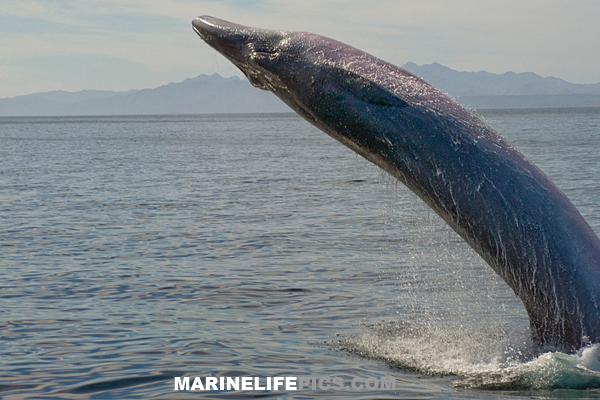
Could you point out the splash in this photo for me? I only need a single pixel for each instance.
(489, 358)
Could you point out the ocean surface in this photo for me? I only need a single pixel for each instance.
(139, 249)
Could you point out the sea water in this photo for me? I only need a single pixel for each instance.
(139, 249)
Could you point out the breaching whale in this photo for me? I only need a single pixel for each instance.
(502, 205)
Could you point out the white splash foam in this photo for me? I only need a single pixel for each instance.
(589, 358)
(489, 358)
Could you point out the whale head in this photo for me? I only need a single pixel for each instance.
(293, 65)
(318, 77)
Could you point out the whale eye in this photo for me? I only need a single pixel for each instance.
(265, 53)
(262, 47)
(263, 56)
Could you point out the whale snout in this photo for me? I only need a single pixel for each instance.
(202, 24)
(207, 27)
(225, 37)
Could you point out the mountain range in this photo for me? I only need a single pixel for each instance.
(205, 94)
(485, 90)
(215, 94)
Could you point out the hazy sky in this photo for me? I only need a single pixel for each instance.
(134, 44)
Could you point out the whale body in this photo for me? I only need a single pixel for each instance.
(501, 204)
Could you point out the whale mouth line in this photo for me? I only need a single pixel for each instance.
(198, 32)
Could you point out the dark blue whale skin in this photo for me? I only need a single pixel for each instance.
(501, 204)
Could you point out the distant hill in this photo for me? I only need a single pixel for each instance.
(459, 83)
(214, 94)
(509, 90)
(204, 94)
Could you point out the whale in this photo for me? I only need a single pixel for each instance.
(489, 193)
